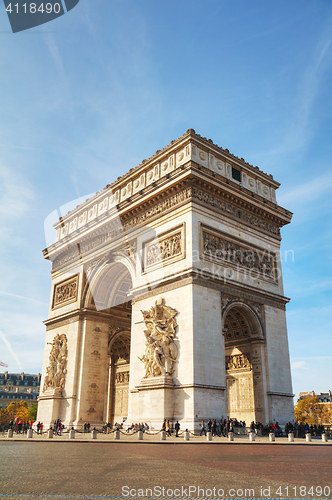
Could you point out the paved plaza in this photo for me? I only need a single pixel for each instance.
(105, 468)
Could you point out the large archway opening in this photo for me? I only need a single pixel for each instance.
(243, 362)
(110, 297)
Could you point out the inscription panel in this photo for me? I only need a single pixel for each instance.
(93, 375)
(121, 393)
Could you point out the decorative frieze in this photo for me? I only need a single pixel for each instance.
(195, 148)
(197, 194)
(190, 193)
(159, 208)
(164, 249)
(65, 292)
(219, 248)
(122, 378)
(234, 211)
(238, 362)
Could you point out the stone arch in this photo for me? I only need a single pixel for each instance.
(107, 296)
(250, 315)
(108, 284)
(244, 362)
(119, 371)
(119, 344)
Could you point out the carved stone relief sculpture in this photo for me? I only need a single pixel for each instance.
(122, 378)
(56, 370)
(160, 349)
(238, 362)
(169, 247)
(65, 292)
(166, 249)
(218, 248)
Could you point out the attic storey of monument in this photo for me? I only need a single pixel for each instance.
(167, 294)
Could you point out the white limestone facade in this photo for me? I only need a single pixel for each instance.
(191, 237)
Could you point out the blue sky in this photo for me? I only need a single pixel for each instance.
(89, 95)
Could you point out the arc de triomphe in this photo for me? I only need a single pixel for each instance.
(167, 296)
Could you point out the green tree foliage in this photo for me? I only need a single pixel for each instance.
(32, 412)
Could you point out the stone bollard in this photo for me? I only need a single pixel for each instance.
(308, 437)
(209, 436)
(272, 437)
(163, 436)
(140, 435)
(251, 436)
(50, 433)
(291, 437)
(72, 434)
(30, 433)
(117, 435)
(324, 438)
(94, 434)
(186, 436)
(10, 433)
(231, 436)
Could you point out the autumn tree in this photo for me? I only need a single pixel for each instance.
(4, 417)
(310, 410)
(21, 410)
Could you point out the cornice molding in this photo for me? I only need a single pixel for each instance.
(216, 199)
(190, 155)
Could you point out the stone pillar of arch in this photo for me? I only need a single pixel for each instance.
(89, 332)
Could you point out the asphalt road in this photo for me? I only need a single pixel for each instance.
(31, 469)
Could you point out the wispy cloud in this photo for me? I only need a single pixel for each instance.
(54, 51)
(15, 194)
(299, 365)
(307, 191)
(309, 288)
(314, 357)
(20, 147)
(10, 349)
(21, 297)
(297, 124)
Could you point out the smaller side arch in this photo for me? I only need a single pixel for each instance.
(119, 374)
(250, 314)
(245, 362)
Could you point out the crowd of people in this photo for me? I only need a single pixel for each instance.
(20, 426)
(232, 425)
(222, 428)
(57, 427)
(132, 428)
(300, 430)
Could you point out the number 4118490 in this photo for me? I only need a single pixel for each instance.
(304, 491)
(32, 8)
